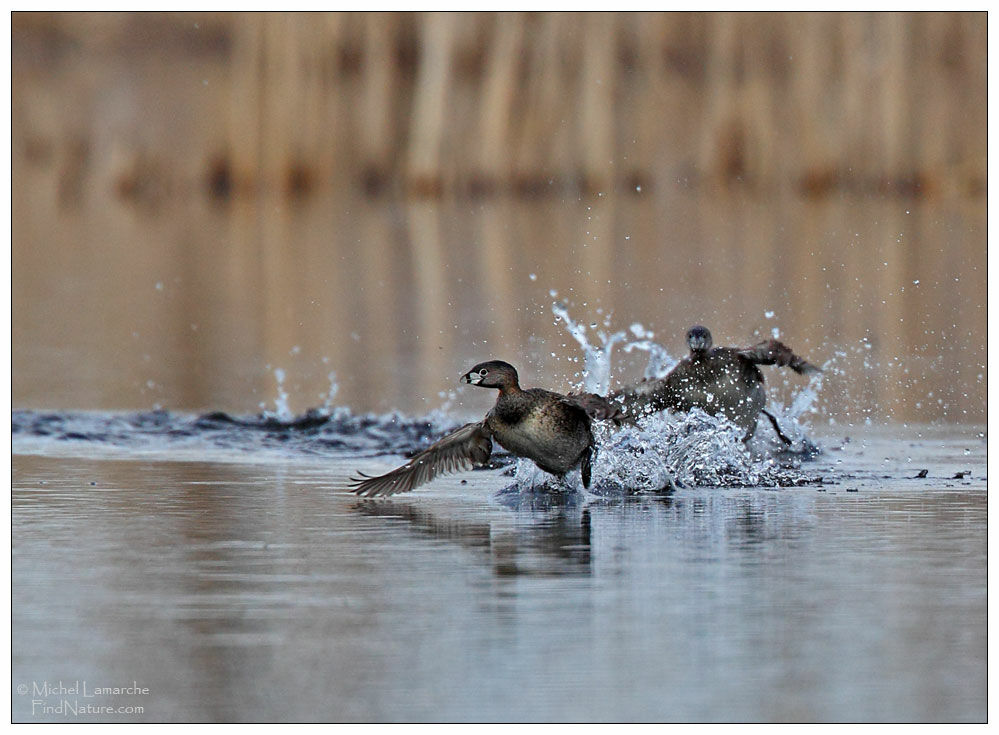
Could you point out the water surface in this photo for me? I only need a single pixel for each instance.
(251, 587)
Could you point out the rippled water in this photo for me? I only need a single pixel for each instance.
(251, 586)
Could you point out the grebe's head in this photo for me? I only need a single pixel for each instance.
(699, 339)
(492, 374)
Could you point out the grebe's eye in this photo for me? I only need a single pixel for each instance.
(483, 372)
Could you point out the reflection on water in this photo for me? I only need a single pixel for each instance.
(398, 299)
(238, 592)
(554, 541)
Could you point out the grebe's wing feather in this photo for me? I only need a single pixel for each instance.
(596, 407)
(460, 450)
(777, 353)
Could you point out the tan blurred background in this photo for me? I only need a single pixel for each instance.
(199, 199)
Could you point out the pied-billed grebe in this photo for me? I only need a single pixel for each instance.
(722, 381)
(548, 428)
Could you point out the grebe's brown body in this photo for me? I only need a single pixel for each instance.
(548, 428)
(721, 381)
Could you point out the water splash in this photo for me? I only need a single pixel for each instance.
(596, 358)
(660, 361)
(220, 434)
(805, 400)
(282, 411)
(529, 478)
(327, 408)
(664, 451)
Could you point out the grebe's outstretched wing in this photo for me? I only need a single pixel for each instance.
(596, 407)
(777, 353)
(460, 450)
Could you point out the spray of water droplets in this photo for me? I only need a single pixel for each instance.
(663, 452)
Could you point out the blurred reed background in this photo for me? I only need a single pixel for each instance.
(201, 199)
